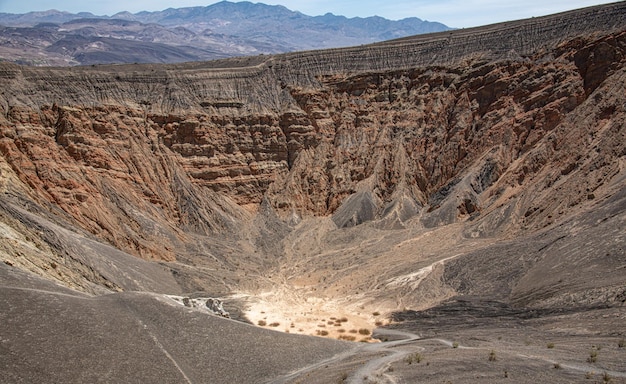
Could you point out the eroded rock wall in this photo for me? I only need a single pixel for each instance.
(456, 126)
(108, 171)
(459, 139)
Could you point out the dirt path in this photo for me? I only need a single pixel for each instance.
(77, 295)
(376, 366)
(391, 351)
(379, 356)
(303, 371)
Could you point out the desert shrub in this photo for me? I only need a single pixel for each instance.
(353, 331)
(550, 345)
(322, 332)
(492, 356)
(378, 323)
(347, 337)
(262, 323)
(343, 320)
(557, 366)
(414, 358)
(376, 313)
(455, 345)
(606, 378)
(622, 343)
(341, 330)
(274, 324)
(364, 331)
(593, 356)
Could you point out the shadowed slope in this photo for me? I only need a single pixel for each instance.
(135, 337)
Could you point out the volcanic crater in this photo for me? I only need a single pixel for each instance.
(456, 200)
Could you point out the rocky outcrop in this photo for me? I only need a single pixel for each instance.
(212, 305)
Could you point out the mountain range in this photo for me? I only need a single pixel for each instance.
(224, 29)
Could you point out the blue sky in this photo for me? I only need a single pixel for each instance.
(454, 13)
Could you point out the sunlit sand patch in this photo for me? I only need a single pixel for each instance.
(284, 310)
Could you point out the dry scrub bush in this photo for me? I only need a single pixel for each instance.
(593, 356)
(414, 358)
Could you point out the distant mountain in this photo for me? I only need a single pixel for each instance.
(33, 18)
(272, 22)
(224, 29)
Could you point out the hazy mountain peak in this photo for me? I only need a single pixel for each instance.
(198, 33)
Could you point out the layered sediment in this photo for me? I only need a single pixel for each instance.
(507, 126)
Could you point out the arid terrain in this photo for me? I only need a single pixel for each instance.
(441, 208)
